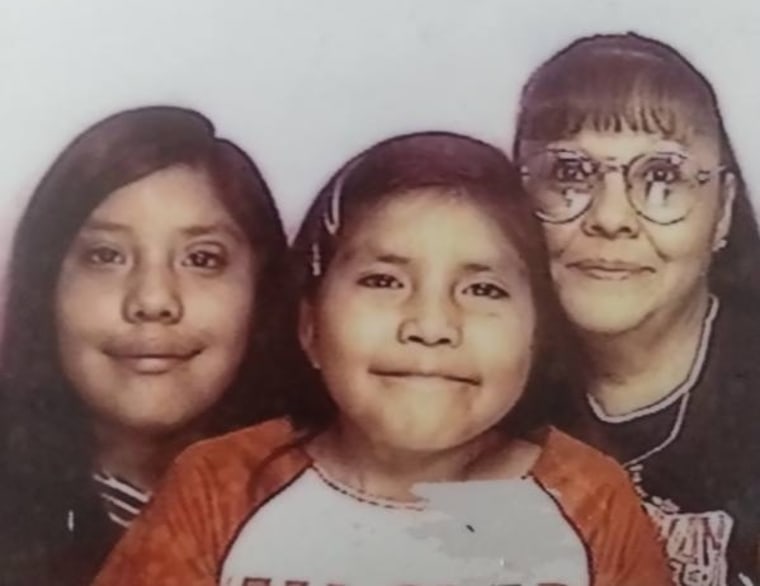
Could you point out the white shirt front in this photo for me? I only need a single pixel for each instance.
(479, 533)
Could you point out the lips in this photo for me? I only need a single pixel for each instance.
(609, 270)
(151, 356)
(412, 375)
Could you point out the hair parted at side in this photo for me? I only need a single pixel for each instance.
(49, 445)
(472, 171)
(612, 82)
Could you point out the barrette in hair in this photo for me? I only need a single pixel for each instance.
(331, 218)
(316, 260)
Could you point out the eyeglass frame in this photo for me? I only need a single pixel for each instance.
(603, 167)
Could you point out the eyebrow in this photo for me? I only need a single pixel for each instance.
(95, 225)
(471, 267)
(214, 228)
(477, 267)
(193, 231)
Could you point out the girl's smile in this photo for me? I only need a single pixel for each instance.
(424, 341)
(154, 302)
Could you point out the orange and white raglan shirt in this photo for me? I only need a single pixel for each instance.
(228, 514)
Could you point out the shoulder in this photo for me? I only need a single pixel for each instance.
(736, 341)
(211, 488)
(229, 462)
(565, 460)
(248, 444)
(727, 396)
(599, 500)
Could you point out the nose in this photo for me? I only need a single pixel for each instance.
(611, 214)
(432, 320)
(152, 296)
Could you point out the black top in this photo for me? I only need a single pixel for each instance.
(695, 455)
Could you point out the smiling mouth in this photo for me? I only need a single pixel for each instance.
(152, 363)
(609, 270)
(423, 376)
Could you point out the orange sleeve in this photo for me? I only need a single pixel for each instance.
(182, 536)
(599, 499)
(626, 551)
(169, 544)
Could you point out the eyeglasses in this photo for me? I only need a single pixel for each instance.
(661, 186)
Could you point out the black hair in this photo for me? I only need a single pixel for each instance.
(473, 171)
(608, 82)
(48, 448)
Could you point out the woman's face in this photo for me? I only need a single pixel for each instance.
(616, 269)
(424, 340)
(154, 302)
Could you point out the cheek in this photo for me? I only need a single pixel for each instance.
(559, 237)
(222, 309)
(348, 328)
(505, 347)
(688, 241)
(86, 307)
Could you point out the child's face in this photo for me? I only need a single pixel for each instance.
(423, 327)
(153, 303)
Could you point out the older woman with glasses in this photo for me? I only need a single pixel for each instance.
(656, 256)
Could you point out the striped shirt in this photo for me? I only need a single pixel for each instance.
(123, 501)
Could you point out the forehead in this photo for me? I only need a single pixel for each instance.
(625, 144)
(431, 224)
(176, 195)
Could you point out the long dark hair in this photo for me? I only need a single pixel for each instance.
(476, 172)
(607, 82)
(48, 447)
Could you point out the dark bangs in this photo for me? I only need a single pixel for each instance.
(614, 82)
(626, 81)
(458, 168)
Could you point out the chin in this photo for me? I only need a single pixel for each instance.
(156, 421)
(424, 439)
(607, 317)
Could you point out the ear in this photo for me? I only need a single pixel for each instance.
(307, 331)
(723, 225)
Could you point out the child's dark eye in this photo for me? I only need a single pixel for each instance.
(103, 255)
(205, 259)
(488, 290)
(380, 281)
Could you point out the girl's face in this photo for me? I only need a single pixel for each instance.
(615, 268)
(424, 324)
(154, 302)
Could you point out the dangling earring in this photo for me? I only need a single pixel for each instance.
(720, 244)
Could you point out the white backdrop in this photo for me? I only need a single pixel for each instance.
(302, 84)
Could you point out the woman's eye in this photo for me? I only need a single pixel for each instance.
(380, 281)
(488, 290)
(103, 255)
(205, 259)
(667, 174)
(665, 168)
(571, 171)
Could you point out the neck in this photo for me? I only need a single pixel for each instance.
(638, 368)
(388, 472)
(139, 458)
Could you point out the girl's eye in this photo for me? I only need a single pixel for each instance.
(488, 290)
(103, 255)
(205, 259)
(380, 281)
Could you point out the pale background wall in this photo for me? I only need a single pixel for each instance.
(302, 84)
